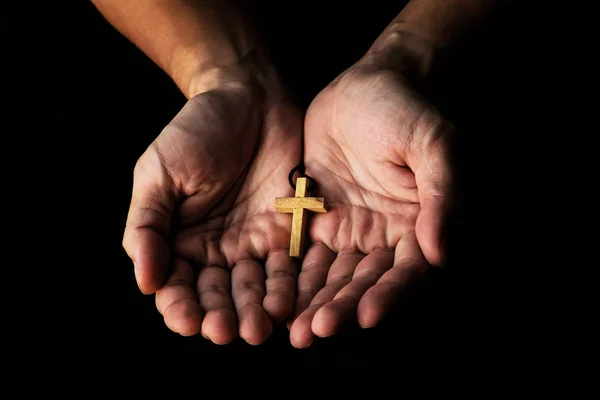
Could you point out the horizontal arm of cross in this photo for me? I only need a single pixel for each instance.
(288, 204)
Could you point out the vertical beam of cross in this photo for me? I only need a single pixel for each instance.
(298, 207)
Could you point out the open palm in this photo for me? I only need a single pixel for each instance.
(201, 229)
(379, 155)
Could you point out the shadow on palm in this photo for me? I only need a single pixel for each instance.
(202, 207)
(376, 150)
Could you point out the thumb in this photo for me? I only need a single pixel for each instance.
(434, 176)
(148, 225)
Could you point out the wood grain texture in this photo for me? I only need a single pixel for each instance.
(299, 207)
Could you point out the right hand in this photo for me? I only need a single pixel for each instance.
(201, 229)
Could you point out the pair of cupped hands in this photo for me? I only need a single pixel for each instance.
(204, 235)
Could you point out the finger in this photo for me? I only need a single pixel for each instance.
(433, 176)
(147, 227)
(248, 290)
(282, 273)
(177, 301)
(312, 277)
(409, 265)
(214, 292)
(343, 308)
(340, 273)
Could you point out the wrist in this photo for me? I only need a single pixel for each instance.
(402, 51)
(221, 45)
(424, 30)
(252, 68)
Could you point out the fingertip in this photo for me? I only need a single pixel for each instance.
(184, 318)
(256, 326)
(146, 284)
(279, 305)
(432, 254)
(325, 322)
(301, 334)
(375, 304)
(300, 337)
(220, 326)
(429, 230)
(150, 263)
(368, 314)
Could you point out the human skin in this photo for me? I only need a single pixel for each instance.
(201, 230)
(381, 154)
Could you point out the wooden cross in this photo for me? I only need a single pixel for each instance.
(297, 206)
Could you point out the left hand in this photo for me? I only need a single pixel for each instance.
(380, 156)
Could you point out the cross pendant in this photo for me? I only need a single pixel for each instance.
(298, 207)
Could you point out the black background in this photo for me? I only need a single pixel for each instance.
(106, 102)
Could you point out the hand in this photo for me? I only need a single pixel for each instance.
(379, 154)
(201, 229)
